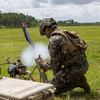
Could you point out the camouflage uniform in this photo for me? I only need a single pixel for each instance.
(68, 71)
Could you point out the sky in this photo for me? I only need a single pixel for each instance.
(78, 10)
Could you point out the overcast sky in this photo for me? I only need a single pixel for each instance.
(78, 10)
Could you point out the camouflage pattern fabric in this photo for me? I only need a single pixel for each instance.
(55, 42)
(68, 71)
(66, 78)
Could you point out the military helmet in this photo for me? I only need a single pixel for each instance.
(46, 23)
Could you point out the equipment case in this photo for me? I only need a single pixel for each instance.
(17, 89)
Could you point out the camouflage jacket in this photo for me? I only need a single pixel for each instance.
(55, 43)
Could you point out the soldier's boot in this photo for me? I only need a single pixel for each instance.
(83, 84)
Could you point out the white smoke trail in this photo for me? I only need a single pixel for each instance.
(29, 55)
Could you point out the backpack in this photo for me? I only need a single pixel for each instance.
(74, 42)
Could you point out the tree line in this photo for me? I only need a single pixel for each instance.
(14, 20)
(75, 23)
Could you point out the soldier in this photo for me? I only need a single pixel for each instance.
(69, 64)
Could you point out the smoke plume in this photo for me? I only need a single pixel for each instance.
(29, 54)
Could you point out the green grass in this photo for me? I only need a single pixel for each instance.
(12, 42)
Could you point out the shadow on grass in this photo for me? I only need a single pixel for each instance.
(84, 96)
(79, 95)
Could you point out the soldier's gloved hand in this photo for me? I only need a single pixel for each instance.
(40, 61)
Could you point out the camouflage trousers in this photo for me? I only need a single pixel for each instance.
(65, 79)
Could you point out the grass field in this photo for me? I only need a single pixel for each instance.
(13, 42)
